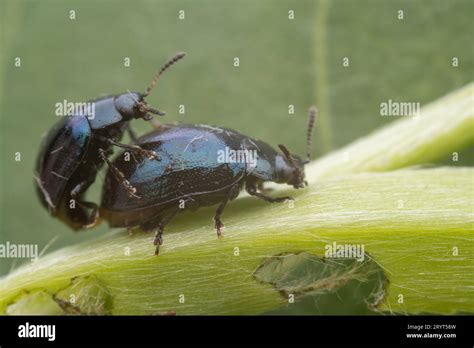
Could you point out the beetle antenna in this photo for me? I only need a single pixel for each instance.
(169, 63)
(287, 154)
(309, 133)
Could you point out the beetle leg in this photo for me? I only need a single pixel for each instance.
(119, 175)
(132, 134)
(94, 213)
(155, 123)
(217, 218)
(75, 194)
(148, 153)
(220, 209)
(251, 189)
(218, 225)
(158, 240)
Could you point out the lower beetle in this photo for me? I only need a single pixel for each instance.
(78, 145)
(200, 166)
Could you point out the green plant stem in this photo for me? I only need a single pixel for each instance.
(412, 242)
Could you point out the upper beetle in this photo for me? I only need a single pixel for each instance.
(199, 166)
(77, 146)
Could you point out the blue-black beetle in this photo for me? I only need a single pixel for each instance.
(193, 172)
(78, 145)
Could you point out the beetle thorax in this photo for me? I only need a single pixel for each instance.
(127, 104)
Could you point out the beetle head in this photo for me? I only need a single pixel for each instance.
(132, 105)
(290, 167)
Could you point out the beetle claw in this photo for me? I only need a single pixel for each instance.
(219, 226)
(152, 155)
(158, 241)
(158, 238)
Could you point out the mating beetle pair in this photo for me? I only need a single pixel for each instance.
(176, 168)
